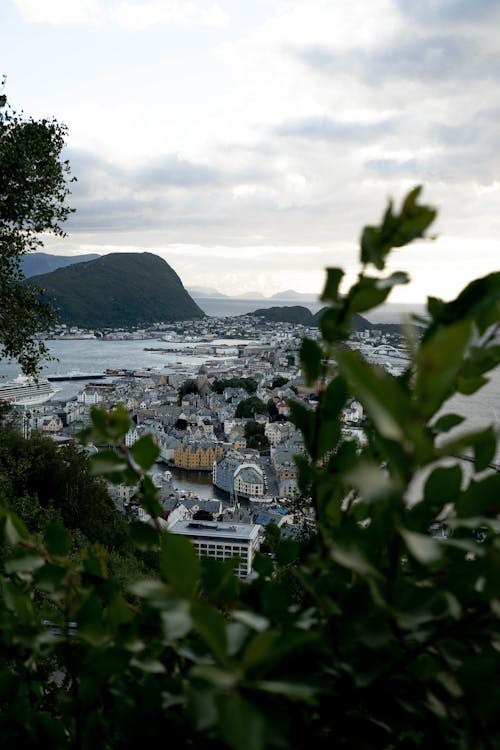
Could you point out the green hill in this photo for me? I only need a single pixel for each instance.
(303, 316)
(120, 289)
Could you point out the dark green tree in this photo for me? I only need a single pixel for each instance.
(255, 436)
(248, 384)
(279, 381)
(33, 191)
(249, 407)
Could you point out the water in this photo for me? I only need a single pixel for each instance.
(232, 306)
(197, 482)
(95, 355)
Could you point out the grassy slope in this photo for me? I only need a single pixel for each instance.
(120, 289)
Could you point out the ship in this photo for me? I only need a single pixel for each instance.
(26, 391)
(76, 375)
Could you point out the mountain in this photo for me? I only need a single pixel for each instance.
(119, 289)
(38, 263)
(290, 294)
(204, 291)
(294, 314)
(303, 316)
(250, 295)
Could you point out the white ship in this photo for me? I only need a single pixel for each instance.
(26, 391)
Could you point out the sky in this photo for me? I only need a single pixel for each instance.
(247, 142)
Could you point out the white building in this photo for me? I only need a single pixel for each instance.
(249, 480)
(222, 541)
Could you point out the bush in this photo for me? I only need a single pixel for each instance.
(377, 633)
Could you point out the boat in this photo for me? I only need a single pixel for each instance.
(26, 391)
(76, 375)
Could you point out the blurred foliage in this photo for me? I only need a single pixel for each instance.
(380, 631)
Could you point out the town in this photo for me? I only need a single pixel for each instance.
(227, 418)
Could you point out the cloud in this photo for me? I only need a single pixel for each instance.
(129, 15)
(431, 59)
(458, 11)
(170, 12)
(328, 129)
(62, 12)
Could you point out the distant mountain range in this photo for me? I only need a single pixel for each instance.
(289, 295)
(38, 263)
(115, 290)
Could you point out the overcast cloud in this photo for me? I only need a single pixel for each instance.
(247, 143)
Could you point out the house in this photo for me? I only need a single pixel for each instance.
(197, 455)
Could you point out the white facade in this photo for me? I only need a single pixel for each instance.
(222, 541)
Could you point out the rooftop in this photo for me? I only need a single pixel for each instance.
(213, 530)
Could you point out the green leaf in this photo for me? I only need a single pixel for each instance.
(480, 498)
(150, 666)
(145, 452)
(107, 462)
(396, 230)
(14, 530)
(287, 551)
(179, 563)
(447, 422)
(23, 561)
(18, 602)
(176, 620)
(303, 418)
(479, 301)
(485, 449)
(211, 626)
(243, 726)
(311, 357)
(381, 395)
(424, 548)
(468, 386)
(251, 619)
(443, 485)
(331, 290)
(335, 324)
(439, 360)
(371, 481)
(144, 535)
(334, 399)
(289, 689)
(50, 578)
(369, 292)
(263, 565)
(350, 555)
(57, 539)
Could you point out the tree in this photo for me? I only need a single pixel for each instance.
(33, 190)
(380, 632)
(248, 384)
(279, 381)
(256, 438)
(186, 388)
(249, 407)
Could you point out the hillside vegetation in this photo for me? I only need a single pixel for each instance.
(303, 316)
(120, 289)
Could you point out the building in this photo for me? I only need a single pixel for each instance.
(197, 456)
(225, 471)
(249, 481)
(222, 541)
